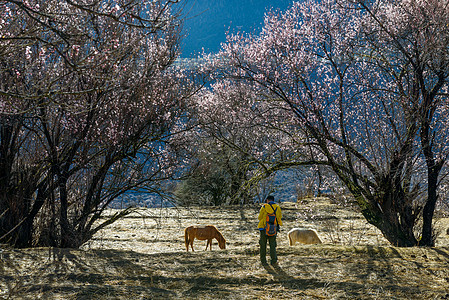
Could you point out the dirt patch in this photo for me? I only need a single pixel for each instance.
(143, 257)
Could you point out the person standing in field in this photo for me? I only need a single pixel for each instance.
(270, 218)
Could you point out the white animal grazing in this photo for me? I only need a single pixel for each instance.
(302, 235)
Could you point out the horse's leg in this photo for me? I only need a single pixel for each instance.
(191, 243)
(209, 242)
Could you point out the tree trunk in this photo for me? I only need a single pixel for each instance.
(433, 170)
(427, 238)
(390, 209)
(395, 224)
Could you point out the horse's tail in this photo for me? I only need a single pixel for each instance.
(186, 237)
(290, 239)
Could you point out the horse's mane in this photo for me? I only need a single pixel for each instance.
(221, 237)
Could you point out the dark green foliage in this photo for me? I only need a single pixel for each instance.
(218, 179)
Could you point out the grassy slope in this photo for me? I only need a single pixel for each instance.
(143, 257)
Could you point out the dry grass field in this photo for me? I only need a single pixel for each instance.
(143, 257)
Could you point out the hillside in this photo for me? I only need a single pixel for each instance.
(144, 257)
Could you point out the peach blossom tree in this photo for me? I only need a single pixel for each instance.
(358, 87)
(91, 103)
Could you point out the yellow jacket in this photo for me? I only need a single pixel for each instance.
(266, 208)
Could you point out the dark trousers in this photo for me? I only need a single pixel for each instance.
(263, 247)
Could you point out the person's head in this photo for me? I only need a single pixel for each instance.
(269, 198)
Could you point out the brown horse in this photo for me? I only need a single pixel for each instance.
(208, 233)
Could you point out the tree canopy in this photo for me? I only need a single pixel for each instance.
(357, 86)
(89, 102)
